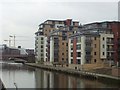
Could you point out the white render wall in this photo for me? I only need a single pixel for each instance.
(69, 49)
(38, 47)
(51, 49)
(45, 47)
(83, 50)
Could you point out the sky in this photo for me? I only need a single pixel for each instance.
(22, 17)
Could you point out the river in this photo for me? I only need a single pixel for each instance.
(16, 75)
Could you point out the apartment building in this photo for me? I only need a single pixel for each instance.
(91, 43)
(44, 32)
(93, 46)
(107, 47)
(114, 27)
(80, 48)
(59, 46)
(40, 47)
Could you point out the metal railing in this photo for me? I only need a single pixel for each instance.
(110, 49)
(88, 48)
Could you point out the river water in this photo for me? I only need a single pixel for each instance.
(16, 75)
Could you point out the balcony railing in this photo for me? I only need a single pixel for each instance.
(110, 57)
(110, 42)
(88, 48)
(88, 41)
(110, 49)
(88, 57)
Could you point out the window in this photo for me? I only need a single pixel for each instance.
(88, 53)
(71, 61)
(71, 54)
(42, 38)
(41, 46)
(103, 53)
(64, 38)
(94, 53)
(62, 43)
(78, 54)
(64, 33)
(95, 60)
(66, 44)
(42, 42)
(62, 53)
(62, 59)
(78, 46)
(78, 61)
(71, 47)
(94, 38)
(103, 38)
(103, 46)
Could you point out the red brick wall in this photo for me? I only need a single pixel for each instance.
(116, 30)
(68, 22)
(74, 51)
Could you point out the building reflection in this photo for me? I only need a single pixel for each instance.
(46, 79)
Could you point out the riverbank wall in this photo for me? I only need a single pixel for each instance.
(85, 74)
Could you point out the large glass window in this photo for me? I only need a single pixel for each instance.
(71, 54)
(78, 54)
(94, 53)
(78, 46)
(71, 47)
(42, 38)
(71, 61)
(78, 61)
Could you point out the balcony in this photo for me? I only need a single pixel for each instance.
(110, 49)
(88, 56)
(110, 57)
(88, 48)
(110, 42)
(56, 50)
(88, 41)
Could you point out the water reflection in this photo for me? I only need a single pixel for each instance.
(28, 77)
(46, 79)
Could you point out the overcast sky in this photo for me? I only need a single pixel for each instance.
(21, 18)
